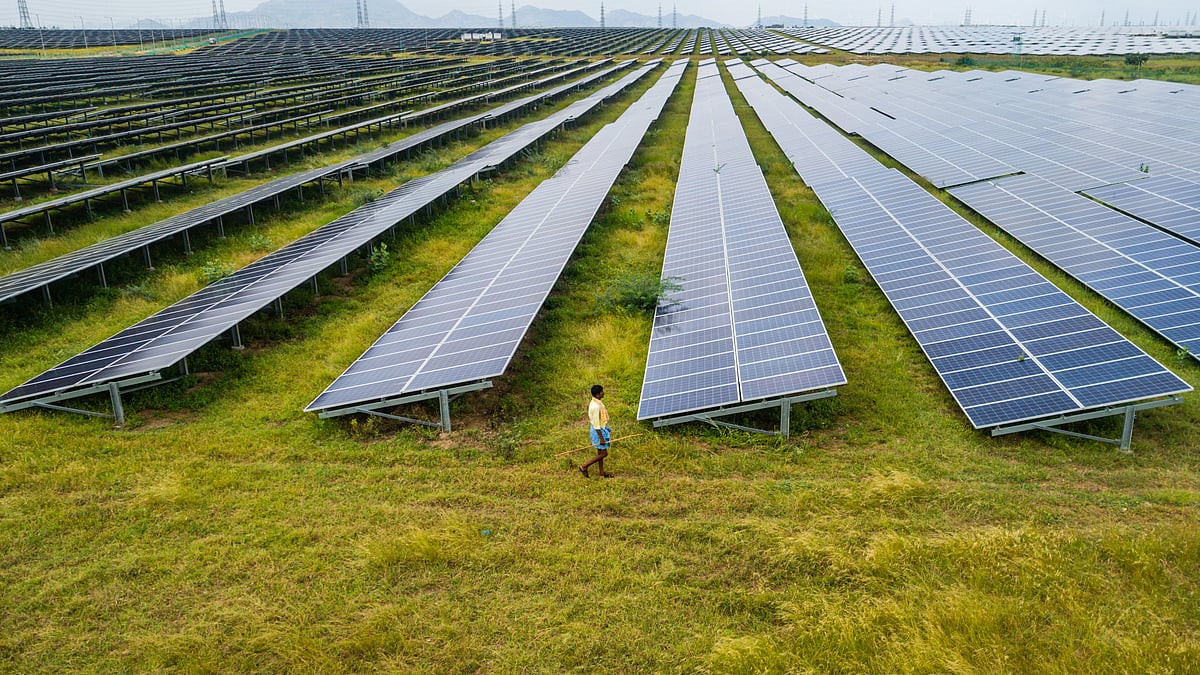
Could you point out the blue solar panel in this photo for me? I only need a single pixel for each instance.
(1145, 271)
(744, 327)
(166, 338)
(468, 327)
(1009, 345)
(993, 328)
(1169, 202)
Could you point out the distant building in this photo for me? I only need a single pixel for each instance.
(482, 37)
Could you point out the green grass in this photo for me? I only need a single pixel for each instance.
(226, 530)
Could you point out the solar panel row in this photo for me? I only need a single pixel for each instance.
(468, 327)
(39, 276)
(1170, 202)
(1148, 273)
(1008, 344)
(744, 327)
(1064, 138)
(163, 340)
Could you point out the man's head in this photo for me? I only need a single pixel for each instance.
(597, 391)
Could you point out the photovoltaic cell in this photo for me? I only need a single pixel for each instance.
(167, 337)
(1169, 202)
(744, 327)
(1009, 345)
(1152, 275)
(468, 327)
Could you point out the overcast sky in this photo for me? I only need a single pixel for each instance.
(848, 12)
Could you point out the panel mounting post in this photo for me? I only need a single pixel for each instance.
(444, 409)
(114, 394)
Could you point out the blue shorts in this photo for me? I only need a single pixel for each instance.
(601, 438)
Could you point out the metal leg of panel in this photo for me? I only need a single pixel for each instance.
(235, 334)
(1127, 429)
(114, 395)
(444, 409)
(100, 276)
(785, 418)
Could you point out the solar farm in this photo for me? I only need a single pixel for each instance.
(301, 324)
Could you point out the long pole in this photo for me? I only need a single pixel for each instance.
(41, 36)
(113, 27)
(84, 28)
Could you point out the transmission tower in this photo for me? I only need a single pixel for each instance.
(513, 16)
(23, 10)
(660, 15)
(1102, 18)
(674, 17)
(602, 15)
(216, 16)
(500, 12)
(224, 19)
(358, 13)
(806, 15)
(893, 19)
(366, 17)
(967, 18)
(879, 18)
(760, 15)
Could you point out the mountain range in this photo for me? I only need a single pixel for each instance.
(393, 14)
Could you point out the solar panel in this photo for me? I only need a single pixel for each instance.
(744, 327)
(1169, 202)
(40, 275)
(166, 338)
(468, 327)
(1009, 345)
(1150, 274)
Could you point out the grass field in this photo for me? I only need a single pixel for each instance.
(226, 530)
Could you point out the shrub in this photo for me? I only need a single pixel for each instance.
(379, 258)
(641, 291)
(214, 271)
(260, 242)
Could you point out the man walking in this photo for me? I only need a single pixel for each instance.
(598, 429)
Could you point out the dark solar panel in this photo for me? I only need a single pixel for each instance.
(167, 337)
(744, 327)
(38, 276)
(468, 327)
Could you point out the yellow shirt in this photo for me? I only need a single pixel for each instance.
(597, 414)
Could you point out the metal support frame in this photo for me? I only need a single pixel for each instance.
(785, 413)
(1129, 412)
(113, 389)
(443, 396)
